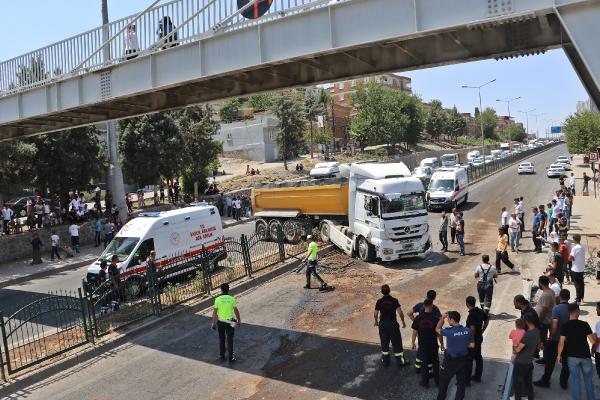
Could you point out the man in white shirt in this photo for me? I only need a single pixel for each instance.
(596, 347)
(55, 239)
(514, 228)
(238, 208)
(554, 283)
(7, 214)
(520, 211)
(74, 231)
(577, 258)
(572, 183)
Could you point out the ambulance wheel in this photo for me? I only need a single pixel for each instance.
(324, 231)
(261, 229)
(366, 252)
(274, 227)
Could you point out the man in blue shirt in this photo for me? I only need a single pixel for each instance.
(458, 342)
(535, 230)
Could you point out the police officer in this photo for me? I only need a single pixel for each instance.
(418, 309)
(458, 342)
(223, 320)
(477, 322)
(312, 256)
(424, 327)
(389, 330)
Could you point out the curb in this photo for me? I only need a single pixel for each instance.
(21, 383)
(70, 267)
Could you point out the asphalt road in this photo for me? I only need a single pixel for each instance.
(14, 297)
(298, 344)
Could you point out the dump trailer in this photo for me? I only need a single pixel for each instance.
(375, 210)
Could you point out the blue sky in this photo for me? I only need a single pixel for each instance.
(547, 82)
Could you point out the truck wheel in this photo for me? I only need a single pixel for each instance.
(274, 227)
(293, 231)
(324, 230)
(261, 229)
(366, 252)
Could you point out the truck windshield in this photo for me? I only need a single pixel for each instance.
(442, 185)
(121, 246)
(404, 202)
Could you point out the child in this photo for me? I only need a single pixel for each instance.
(517, 334)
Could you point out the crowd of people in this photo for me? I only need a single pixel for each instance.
(548, 329)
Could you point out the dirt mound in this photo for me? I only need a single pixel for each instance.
(272, 175)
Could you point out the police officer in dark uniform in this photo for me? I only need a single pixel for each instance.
(424, 327)
(477, 322)
(458, 342)
(389, 330)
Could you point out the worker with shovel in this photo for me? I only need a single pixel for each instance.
(312, 256)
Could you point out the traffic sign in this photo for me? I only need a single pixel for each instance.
(593, 157)
(556, 129)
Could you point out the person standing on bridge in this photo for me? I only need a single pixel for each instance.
(389, 329)
(458, 342)
(444, 231)
(311, 259)
(225, 318)
(132, 45)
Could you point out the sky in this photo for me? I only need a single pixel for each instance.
(546, 83)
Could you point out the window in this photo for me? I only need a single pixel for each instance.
(340, 85)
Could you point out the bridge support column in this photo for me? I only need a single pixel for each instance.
(115, 174)
(581, 23)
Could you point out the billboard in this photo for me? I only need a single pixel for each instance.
(556, 129)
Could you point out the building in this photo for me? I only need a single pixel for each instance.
(252, 139)
(587, 105)
(341, 92)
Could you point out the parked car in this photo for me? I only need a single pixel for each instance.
(556, 171)
(565, 162)
(19, 205)
(431, 162)
(488, 159)
(477, 162)
(424, 174)
(526, 168)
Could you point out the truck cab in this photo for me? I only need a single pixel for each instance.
(450, 160)
(387, 212)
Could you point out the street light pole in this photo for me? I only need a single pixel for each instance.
(537, 129)
(508, 101)
(480, 115)
(527, 119)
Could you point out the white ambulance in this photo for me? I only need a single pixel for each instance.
(184, 231)
(449, 187)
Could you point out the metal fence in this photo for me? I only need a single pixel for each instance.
(43, 329)
(60, 322)
(186, 21)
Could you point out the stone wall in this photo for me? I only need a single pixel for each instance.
(15, 247)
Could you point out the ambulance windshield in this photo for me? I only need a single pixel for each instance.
(121, 246)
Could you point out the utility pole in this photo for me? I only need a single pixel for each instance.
(114, 174)
(508, 101)
(527, 120)
(481, 116)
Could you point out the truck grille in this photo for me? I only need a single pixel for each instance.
(409, 230)
(437, 200)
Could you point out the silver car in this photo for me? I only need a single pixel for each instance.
(526, 168)
(424, 174)
(556, 171)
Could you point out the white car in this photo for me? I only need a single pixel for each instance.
(478, 162)
(556, 171)
(564, 161)
(488, 159)
(526, 168)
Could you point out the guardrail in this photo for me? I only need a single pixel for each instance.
(156, 28)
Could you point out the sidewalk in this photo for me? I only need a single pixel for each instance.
(17, 271)
(585, 221)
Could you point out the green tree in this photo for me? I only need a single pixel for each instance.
(516, 132)
(261, 101)
(413, 108)
(230, 110)
(68, 159)
(314, 106)
(457, 125)
(490, 120)
(369, 103)
(582, 132)
(198, 127)
(436, 123)
(291, 117)
(16, 163)
(151, 148)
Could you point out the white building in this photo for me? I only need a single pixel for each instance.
(586, 105)
(251, 139)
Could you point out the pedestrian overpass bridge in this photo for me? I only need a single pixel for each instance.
(220, 52)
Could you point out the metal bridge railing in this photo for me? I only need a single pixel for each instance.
(191, 20)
